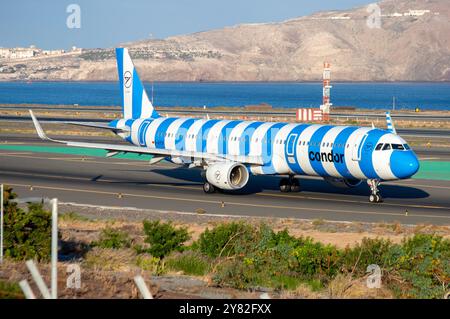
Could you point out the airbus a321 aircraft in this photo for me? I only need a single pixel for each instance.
(230, 151)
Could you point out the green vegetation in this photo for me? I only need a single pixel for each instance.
(189, 262)
(163, 238)
(27, 234)
(112, 238)
(243, 255)
(10, 290)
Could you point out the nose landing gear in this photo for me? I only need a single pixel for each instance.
(375, 196)
(290, 184)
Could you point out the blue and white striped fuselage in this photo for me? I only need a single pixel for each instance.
(347, 152)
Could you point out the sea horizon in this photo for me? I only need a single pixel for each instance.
(279, 94)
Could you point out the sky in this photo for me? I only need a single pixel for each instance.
(106, 23)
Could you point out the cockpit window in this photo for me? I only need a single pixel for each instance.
(386, 147)
(406, 146)
(379, 146)
(398, 147)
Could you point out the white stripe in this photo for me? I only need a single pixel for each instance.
(212, 144)
(191, 143)
(128, 92)
(302, 150)
(236, 132)
(352, 141)
(151, 131)
(279, 159)
(173, 129)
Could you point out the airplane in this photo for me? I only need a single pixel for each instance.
(230, 151)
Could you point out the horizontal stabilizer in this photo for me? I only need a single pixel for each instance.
(102, 126)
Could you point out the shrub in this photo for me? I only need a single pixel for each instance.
(369, 251)
(112, 238)
(423, 262)
(267, 260)
(148, 263)
(226, 239)
(27, 235)
(314, 258)
(190, 263)
(163, 238)
(10, 290)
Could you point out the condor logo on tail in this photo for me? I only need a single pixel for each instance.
(127, 79)
(326, 157)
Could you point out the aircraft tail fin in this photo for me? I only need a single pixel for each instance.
(135, 102)
(390, 123)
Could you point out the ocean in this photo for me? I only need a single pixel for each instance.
(426, 96)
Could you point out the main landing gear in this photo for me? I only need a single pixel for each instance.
(375, 196)
(208, 188)
(290, 184)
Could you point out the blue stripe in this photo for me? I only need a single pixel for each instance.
(222, 147)
(339, 146)
(137, 95)
(129, 123)
(202, 137)
(161, 130)
(314, 147)
(296, 166)
(180, 138)
(267, 148)
(244, 143)
(366, 163)
(113, 123)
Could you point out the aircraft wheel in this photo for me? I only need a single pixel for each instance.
(295, 186)
(285, 186)
(379, 198)
(208, 188)
(372, 198)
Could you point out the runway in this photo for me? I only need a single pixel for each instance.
(133, 183)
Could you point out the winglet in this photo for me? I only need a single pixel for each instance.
(39, 129)
(390, 123)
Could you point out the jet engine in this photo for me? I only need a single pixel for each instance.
(343, 182)
(228, 175)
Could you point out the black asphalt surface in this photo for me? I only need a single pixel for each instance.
(131, 183)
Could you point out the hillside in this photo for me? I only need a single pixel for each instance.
(405, 48)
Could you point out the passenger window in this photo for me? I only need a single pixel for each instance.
(398, 147)
(379, 146)
(386, 147)
(406, 146)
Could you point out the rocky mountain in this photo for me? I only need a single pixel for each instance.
(411, 44)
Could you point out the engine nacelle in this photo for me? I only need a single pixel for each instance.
(343, 182)
(229, 175)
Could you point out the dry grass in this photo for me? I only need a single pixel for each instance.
(344, 287)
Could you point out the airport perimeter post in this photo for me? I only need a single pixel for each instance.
(1, 223)
(54, 283)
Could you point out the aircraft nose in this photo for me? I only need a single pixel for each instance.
(404, 164)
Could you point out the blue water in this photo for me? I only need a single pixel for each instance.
(432, 96)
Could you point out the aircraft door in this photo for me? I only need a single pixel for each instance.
(290, 147)
(357, 147)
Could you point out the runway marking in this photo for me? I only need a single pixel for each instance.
(14, 154)
(429, 158)
(231, 203)
(258, 194)
(352, 201)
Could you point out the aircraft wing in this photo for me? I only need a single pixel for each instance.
(98, 125)
(253, 160)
